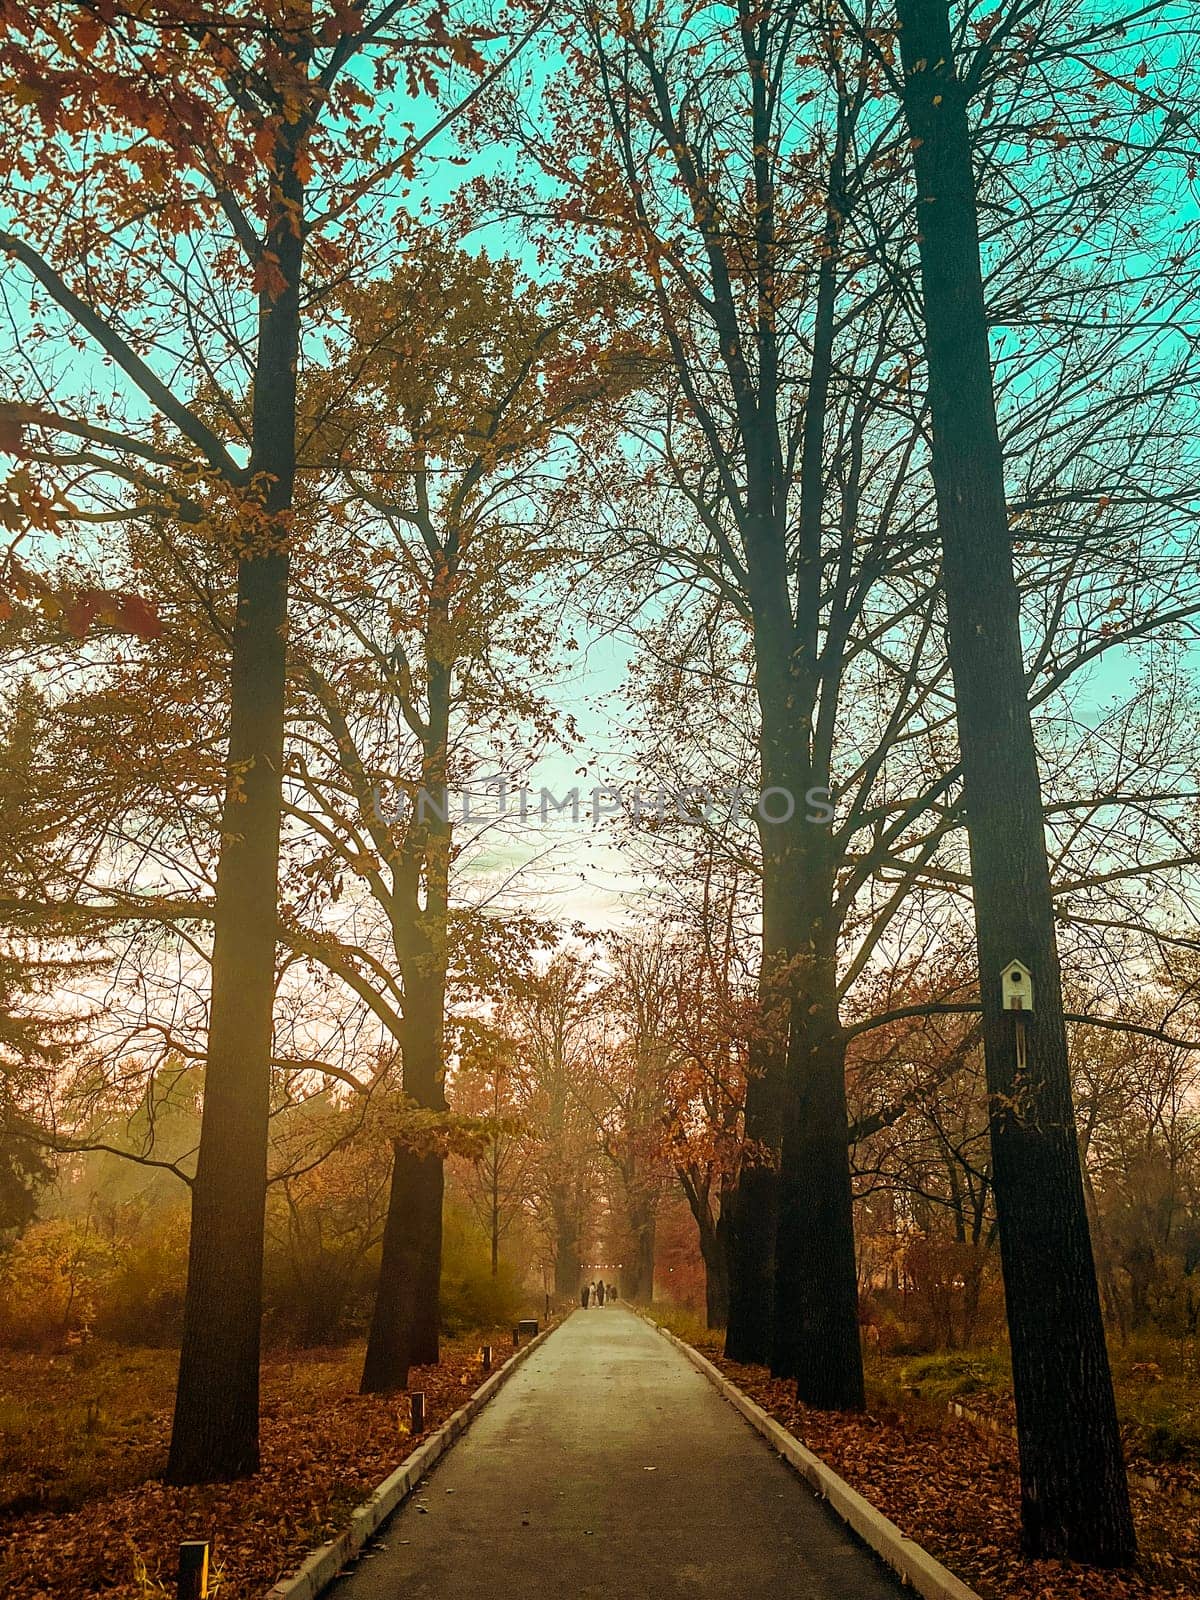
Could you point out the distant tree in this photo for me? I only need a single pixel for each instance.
(626, 1093)
(553, 1020)
(40, 1026)
(491, 1085)
(28, 1049)
(325, 1215)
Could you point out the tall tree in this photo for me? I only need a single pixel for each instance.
(700, 177)
(451, 412)
(440, 434)
(878, 713)
(238, 134)
(1074, 1498)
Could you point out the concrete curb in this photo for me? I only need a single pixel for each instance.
(1003, 1430)
(913, 1565)
(322, 1565)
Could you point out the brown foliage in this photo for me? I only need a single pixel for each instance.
(954, 1489)
(83, 1511)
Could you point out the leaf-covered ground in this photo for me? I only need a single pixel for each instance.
(82, 1511)
(953, 1488)
(82, 1439)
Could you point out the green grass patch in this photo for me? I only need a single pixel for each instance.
(688, 1326)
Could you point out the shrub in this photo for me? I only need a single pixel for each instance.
(140, 1300)
(1172, 1439)
(50, 1283)
(471, 1296)
(956, 1375)
(323, 1234)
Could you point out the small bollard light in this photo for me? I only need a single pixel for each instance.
(192, 1581)
(417, 1401)
(486, 1357)
(516, 1338)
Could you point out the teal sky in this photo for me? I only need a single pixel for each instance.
(575, 871)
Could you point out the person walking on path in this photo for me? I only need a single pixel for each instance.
(583, 1295)
(600, 1292)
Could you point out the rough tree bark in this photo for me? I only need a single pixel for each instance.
(411, 1242)
(816, 1337)
(753, 1209)
(814, 1323)
(215, 1430)
(405, 1323)
(716, 1281)
(423, 1082)
(1074, 1499)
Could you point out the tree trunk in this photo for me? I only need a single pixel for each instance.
(419, 938)
(495, 1213)
(429, 1187)
(405, 1325)
(215, 1429)
(754, 1203)
(389, 1341)
(714, 1247)
(793, 1280)
(816, 1337)
(424, 1024)
(753, 1207)
(1075, 1501)
(713, 1235)
(568, 1268)
(815, 1334)
(637, 1284)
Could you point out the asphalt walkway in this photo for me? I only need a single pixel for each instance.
(608, 1466)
